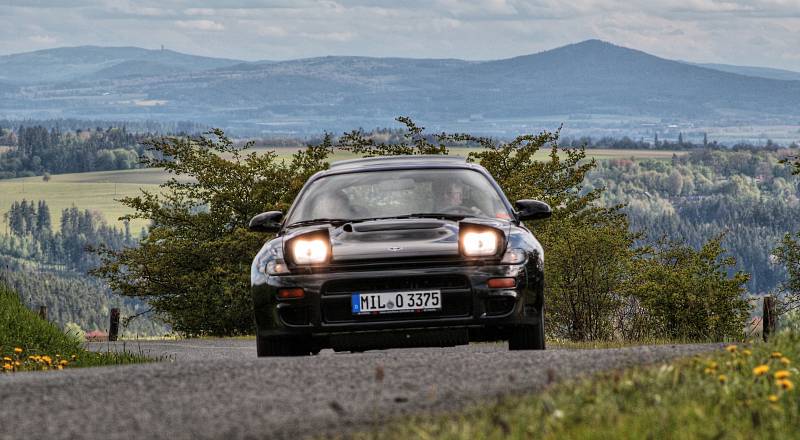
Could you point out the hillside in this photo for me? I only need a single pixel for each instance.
(592, 84)
(763, 72)
(86, 62)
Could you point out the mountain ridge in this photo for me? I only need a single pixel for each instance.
(592, 77)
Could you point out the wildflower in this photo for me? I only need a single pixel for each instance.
(17, 350)
(558, 414)
(782, 374)
(722, 378)
(47, 359)
(746, 352)
(17, 363)
(785, 361)
(776, 355)
(731, 348)
(6, 358)
(772, 398)
(760, 370)
(60, 367)
(74, 357)
(785, 384)
(708, 371)
(63, 363)
(8, 367)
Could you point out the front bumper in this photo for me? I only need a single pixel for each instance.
(467, 301)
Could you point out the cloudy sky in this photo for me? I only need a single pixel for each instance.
(747, 32)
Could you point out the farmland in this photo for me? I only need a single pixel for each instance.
(100, 191)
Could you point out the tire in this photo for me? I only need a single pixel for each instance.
(284, 346)
(527, 336)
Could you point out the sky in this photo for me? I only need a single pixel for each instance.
(745, 32)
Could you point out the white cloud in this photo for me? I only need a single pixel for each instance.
(200, 25)
(43, 39)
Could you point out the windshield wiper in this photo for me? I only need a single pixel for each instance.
(318, 221)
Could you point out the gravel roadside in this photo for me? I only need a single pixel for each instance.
(214, 389)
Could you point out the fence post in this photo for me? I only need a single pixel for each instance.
(113, 330)
(768, 317)
(43, 312)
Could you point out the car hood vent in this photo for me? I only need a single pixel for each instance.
(394, 225)
(394, 238)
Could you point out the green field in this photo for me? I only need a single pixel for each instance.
(100, 191)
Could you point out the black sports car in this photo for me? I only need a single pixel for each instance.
(398, 252)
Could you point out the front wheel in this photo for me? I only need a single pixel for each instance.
(527, 336)
(284, 346)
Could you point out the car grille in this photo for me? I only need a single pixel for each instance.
(335, 298)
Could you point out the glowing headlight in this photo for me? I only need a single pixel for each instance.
(309, 251)
(479, 243)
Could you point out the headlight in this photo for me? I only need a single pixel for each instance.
(313, 251)
(513, 256)
(311, 248)
(276, 267)
(480, 242)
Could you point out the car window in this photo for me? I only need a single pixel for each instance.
(400, 192)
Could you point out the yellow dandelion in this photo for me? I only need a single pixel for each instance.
(47, 359)
(776, 355)
(60, 367)
(63, 363)
(8, 367)
(772, 398)
(785, 384)
(785, 361)
(731, 348)
(17, 363)
(746, 352)
(782, 374)
(722, 378)
(760, 370)
(17, 350)
(7, 359)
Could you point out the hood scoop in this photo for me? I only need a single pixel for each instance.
(395, 225)
(394, 238)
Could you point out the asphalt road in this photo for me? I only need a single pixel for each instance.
(218, 389)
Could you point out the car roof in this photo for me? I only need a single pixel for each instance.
(400, 161)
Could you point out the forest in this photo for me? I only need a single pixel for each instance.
(48, 267)
(746, 195)
(37, 150)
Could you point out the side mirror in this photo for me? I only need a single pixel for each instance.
(533, 210)
(266, 222)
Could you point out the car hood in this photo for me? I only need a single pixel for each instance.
(398, 238)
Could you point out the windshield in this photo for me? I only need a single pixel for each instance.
(400, 193)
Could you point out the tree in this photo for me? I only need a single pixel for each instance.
(193, 266)
(688, 294)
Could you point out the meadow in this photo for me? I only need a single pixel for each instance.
(100, 191)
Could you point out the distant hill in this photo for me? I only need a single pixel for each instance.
(70, 63)
(763, 72)
(594, 82)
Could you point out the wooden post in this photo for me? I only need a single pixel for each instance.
(113, 330)
(768, 317)
(43, 312)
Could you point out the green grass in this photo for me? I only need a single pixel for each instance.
(28, 342)
(713, 396)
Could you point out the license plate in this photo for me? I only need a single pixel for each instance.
(394, 302)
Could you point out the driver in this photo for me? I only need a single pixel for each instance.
(449, 197)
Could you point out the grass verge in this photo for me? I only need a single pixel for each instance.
(747, 391)
(29, 343)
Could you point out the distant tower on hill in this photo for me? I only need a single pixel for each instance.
(162, 48)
